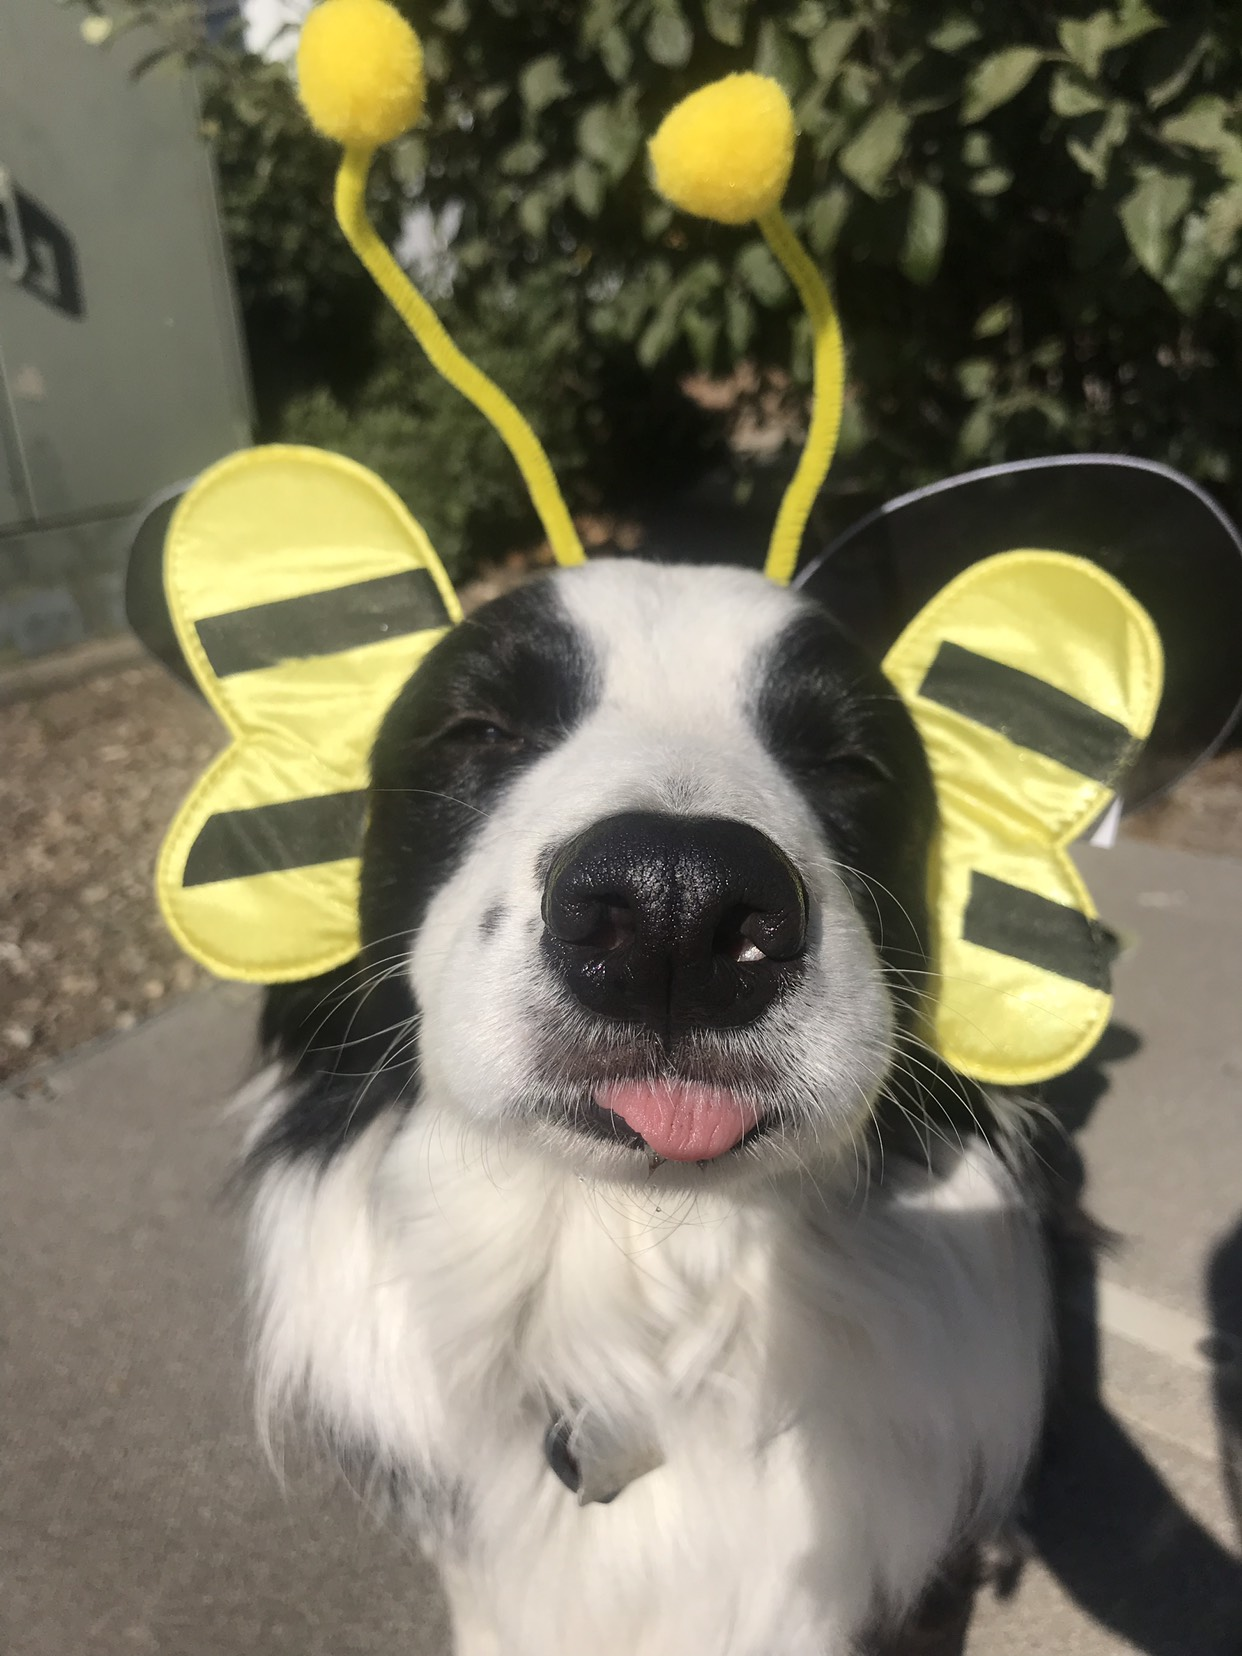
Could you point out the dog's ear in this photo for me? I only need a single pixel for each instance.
(302, 595)
(1152, 529)
(1033, 678)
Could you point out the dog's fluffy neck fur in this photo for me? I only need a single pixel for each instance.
(830, 1373)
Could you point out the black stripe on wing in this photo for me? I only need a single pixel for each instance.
(322, 623)
(270, 839)
(1053, 936)
(1030, 712)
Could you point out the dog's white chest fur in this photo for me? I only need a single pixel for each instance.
(841, 1390)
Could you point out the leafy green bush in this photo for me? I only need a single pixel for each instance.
(419, 434)
(1031, 213)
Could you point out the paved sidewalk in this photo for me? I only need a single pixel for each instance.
(137, 1515)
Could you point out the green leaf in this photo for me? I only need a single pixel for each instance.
(992, 181)
(610, 134)
(858, 87)
(598, 16)
(534, 211)
(875, 149)
(542, 82)
(659, 334)
(658, 215)
(977, 432)
(702, 330)
(453, 16)
(1150, 214)
(1086, 41)
(435, 60)
(978, 149)
(726, 20)
(586, 185)
(759, 271)
(1189, 277)
(828, 49)
(810, 19)
(409, 160)
(521, 159)
(1048, 353)
(1136, 19)
(925, 234)
(668, 38)
(825, 216)
(954, 33)
(976, 376)
(739, 321)
(856, 431)
(488, 99)
(995, 320)
(1070, 95)
(776, 55)
(1208, 238)
(824, 126)
(617, 55)
(1223, 220)
(998, 79)
(1094, 155)
(1202, 126)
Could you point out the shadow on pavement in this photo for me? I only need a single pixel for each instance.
(1101, 1516)
(1224, 1298)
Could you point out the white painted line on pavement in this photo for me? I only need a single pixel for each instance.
(1184, 1340)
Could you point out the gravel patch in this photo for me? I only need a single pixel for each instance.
(89, 779)
(1203, 814)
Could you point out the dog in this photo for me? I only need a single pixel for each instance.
(610, 1211)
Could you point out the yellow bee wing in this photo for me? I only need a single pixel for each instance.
(1034, 679)
(334, 596)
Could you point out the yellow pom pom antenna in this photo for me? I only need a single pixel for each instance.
(360, 76)
(360, 72)
(725, 153)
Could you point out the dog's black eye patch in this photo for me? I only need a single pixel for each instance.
(839, 731)
(500, 690)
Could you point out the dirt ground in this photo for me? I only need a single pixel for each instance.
(89, 779)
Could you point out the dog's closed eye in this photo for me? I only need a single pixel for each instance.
(843, 764)
(480, 730)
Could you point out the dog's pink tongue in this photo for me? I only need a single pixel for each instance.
(680, 1121)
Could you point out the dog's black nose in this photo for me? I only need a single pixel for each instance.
(674, 922)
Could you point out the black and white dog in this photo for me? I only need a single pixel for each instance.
(609, 1207)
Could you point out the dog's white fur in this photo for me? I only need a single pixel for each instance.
(844, 1387)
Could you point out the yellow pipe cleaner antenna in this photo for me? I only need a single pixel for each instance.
(360, 78)
(725, 153)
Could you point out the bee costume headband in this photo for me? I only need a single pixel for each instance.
(303, 595)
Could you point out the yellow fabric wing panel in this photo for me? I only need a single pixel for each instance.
(1033, 678)
(303, 595)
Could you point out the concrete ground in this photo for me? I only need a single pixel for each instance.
(138, 1515)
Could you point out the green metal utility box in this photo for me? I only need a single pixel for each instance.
(121, 367)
